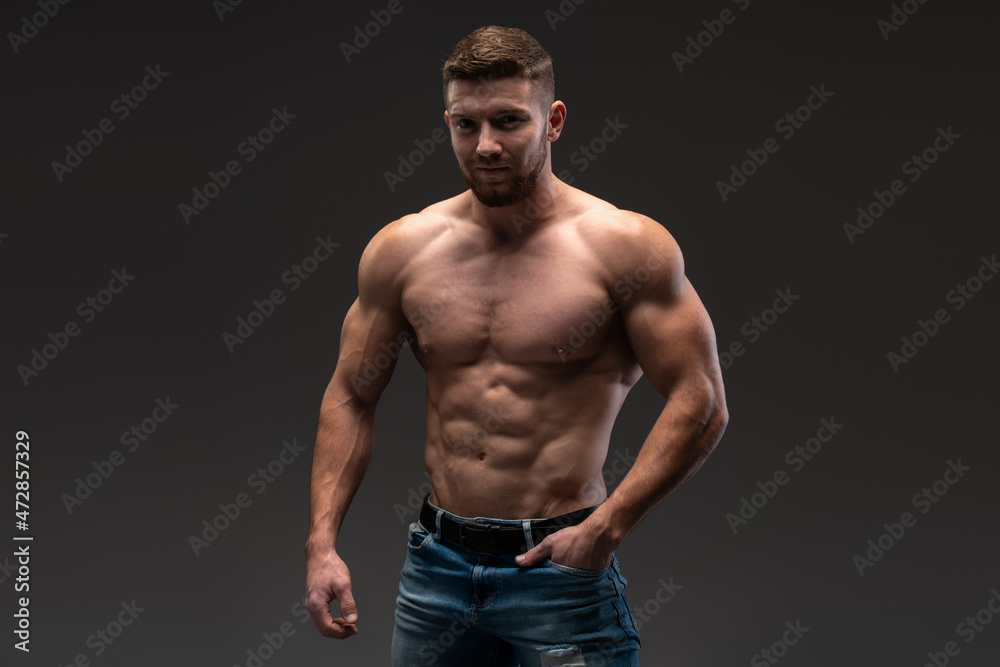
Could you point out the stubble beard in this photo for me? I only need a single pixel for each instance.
(514, 190)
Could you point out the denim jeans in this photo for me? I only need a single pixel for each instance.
(461, 609)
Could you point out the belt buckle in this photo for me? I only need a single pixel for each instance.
(494, 536)
(462, 534)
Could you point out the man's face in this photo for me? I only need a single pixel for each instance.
(499, 131)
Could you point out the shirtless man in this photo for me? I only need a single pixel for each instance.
(534, 308)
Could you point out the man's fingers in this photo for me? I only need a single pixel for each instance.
(348, 608)
(346, 629)
(538, 553)
(328, 579)
(343, 594)
(328, 626)
(321, 616)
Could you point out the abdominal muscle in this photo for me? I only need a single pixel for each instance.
(520, 442)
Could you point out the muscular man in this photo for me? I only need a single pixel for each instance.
(534, 308)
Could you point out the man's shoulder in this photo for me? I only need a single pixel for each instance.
(402, 238)
(623, 238)
(606, 222)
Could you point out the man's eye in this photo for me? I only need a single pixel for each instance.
(464, 123)
(510, 119)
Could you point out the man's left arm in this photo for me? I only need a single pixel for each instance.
(673, 340)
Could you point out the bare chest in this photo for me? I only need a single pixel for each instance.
(531, 308)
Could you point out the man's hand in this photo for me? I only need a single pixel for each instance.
(328, 579)
(574, 546)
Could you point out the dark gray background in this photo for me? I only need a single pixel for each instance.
(324, 176)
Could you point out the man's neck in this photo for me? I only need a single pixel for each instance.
(522, 219)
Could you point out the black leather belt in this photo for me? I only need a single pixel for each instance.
(491, 538)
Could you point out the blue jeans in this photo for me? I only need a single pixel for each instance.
(463, 609)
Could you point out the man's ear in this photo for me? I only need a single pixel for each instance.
(557, 119)
(446, 120)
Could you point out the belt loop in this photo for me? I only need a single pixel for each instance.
(437, 517)
(528, 538)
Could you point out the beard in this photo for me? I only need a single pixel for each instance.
(514, 189)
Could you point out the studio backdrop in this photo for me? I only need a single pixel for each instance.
(188, 188)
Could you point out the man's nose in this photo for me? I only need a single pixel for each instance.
(488, 145)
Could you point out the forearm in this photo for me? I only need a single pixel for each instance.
(683, 436)
(340, 459)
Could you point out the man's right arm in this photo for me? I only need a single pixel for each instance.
(374, 324)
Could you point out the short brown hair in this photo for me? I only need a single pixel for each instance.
(493, 52)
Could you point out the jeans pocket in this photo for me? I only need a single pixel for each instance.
(419, 538)
(574, 571)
